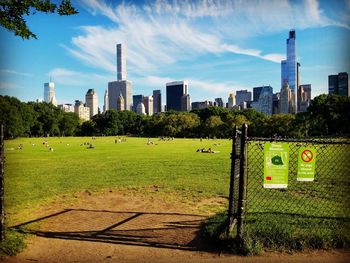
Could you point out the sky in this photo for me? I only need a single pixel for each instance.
(218, 47)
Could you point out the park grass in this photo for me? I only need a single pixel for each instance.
(35, 175)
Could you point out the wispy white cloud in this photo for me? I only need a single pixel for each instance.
(75, 78)
(13, 72)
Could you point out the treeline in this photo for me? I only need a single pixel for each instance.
(327, 115)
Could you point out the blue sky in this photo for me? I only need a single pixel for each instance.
(218, 47)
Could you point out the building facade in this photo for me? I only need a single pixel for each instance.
(137, 99)
(285, 100)
(49, 93)
(148, 104)
(304, 97)
(231, 100)
(120, 103)
(91, 101)
(186, 102)
(157, 101)
(243, 96)
(115, 88)
(82, 111)
(66, 107)
(141, 109)
(106, 101)
(265, 100)
(174, 92)
(339, 84)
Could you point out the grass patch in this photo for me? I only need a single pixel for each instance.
(13, 243)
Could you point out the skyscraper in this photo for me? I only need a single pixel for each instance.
(243, 96)
(106, 102)
(148, 103)
(49, 93)
(304, 97)
(219, 102)
(186, 102)
(265, 100)
(141, 109)
(121, 62)
(174, 92)
(137, 99)
(339, 84)
(285, 99)
(91, 101)
(157, 101)
(289, 70)
(231, 100)
(122, 85)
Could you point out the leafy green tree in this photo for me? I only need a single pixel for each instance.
(69, 124)
(12, 13)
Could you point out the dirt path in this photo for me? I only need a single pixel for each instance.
(112, 227)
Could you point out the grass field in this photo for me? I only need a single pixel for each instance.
(35, 174)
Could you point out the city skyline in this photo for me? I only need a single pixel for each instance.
(192, 42)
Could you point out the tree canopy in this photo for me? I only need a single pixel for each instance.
(12, 13)
(327, 115)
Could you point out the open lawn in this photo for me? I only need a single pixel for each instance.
(34, 174)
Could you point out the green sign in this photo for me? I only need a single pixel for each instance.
(306, 164)
(276, 159)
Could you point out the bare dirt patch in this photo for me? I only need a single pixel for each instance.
(121, 227)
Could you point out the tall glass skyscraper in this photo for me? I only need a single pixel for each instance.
(289, 70)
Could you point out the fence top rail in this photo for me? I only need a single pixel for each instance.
(318, 141)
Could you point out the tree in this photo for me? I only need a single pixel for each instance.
(12, 12)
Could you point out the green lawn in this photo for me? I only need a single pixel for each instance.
(35, 175)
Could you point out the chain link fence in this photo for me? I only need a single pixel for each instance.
(305, 214)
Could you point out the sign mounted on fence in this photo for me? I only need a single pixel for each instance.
(276, 159)
(306, 164)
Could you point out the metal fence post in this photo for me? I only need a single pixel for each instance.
(2, 173)
(241, 190)
(231, 218)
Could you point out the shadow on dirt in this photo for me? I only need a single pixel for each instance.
(160, 230)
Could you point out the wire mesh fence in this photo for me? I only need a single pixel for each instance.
(314, 213)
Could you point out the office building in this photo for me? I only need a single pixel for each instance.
(186, 102)
(304, 97)
(141, 109)
(243, 95)
(106, 102)
(115, 88)
(49, 93)
(339, 84)
(231, 101)
(275, 103)
(157, 101)
(148, 104)
(285, 105)
(66, 107)
(82, 111)
(120, 103)
(137, 99)
(174, 92)
(265, 100)
(219, 102)
(289, 70)
(91, 101)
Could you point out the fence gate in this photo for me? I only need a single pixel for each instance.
(312, 212)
